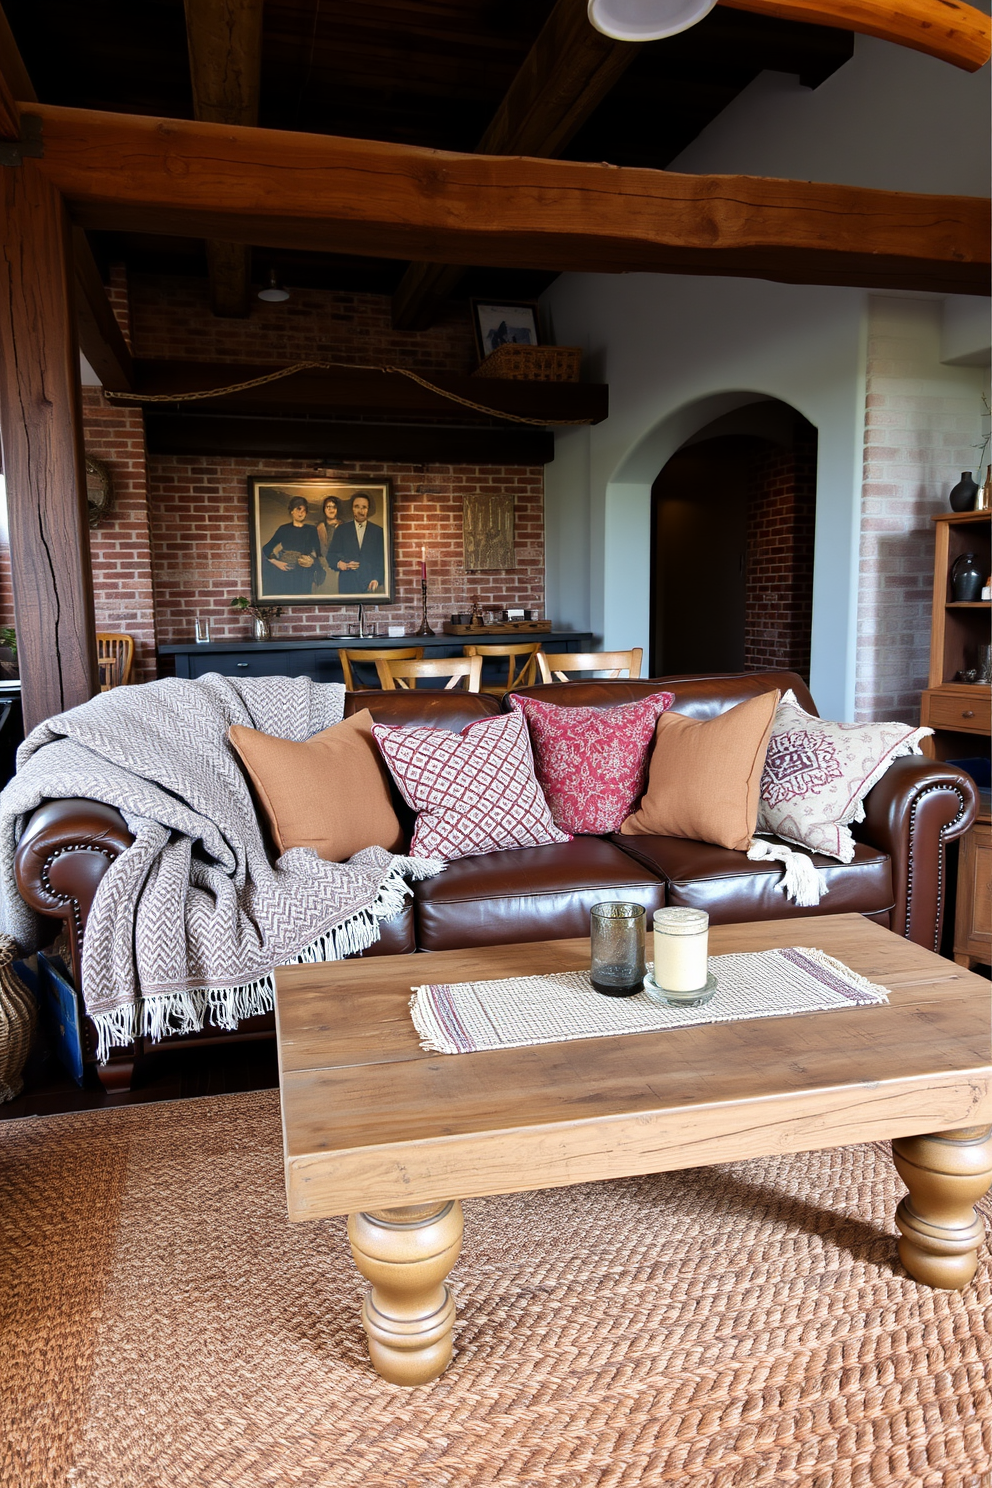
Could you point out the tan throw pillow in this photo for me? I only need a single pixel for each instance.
(705, 776)
(330, 793)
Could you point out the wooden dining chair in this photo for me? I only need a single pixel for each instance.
(115, 657)
(401, 653)
(556, 668)
(394, 674)
(523, 674)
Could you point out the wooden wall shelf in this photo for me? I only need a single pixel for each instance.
(358, 390)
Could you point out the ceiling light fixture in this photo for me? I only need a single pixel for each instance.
(273, 291)
(646, 20)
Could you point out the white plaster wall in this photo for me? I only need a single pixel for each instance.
(890, 118)
(677, 353)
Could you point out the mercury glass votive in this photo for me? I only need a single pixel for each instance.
(681, 950)
(617, 932)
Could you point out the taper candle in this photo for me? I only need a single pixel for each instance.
(423, 563)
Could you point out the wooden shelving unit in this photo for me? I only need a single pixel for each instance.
(959, 712)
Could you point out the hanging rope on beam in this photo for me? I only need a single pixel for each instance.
(254, 382)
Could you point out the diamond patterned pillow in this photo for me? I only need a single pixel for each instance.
(591, 762)
(474, 792)
(817, 775)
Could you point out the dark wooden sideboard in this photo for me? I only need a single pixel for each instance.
(319, 658)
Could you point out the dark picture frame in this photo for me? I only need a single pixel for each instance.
(310, 558)
(500, 323)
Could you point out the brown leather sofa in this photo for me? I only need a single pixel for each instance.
(897, 876)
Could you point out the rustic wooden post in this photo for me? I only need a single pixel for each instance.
(41, 430)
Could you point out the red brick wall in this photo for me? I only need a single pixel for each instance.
(120, 548)
(155, 566)
(427, 513)
(171, 317)
(779, 564)
(923, 426)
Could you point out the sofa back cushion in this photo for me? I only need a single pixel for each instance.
(423, 707)
(330, 792)
(695, 696)
(704, 776)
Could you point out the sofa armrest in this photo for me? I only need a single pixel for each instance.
(64, 851)
(917, 807)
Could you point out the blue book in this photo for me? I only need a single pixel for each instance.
(60, 1014)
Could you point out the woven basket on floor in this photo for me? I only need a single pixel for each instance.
(18, 1017)
(532, 363)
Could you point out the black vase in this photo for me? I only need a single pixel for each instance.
(962, 497)
(967, 578)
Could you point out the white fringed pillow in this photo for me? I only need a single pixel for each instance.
(818, 773)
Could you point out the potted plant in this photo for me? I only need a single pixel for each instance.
(262, 615)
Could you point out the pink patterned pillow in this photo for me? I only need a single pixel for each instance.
(817, 775)
(474, 792)
(592, 762)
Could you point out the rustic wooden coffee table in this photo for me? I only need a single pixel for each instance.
(393, 1137)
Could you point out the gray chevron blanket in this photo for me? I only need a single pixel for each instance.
(189, 922)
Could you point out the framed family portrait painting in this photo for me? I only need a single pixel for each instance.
(319, 542)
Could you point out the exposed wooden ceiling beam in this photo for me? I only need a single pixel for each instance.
(322, 391)
(566, 74)
(330, 440)
(945, 29)
(100, 337)
(225, 57)
(278, 189)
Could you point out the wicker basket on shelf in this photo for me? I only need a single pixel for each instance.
(518, 363)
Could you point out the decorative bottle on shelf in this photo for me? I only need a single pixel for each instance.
(962, 497)
(983, 501)
(967, 578)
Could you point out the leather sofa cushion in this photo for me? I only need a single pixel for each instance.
(531, 893)
(730, 888)
(398, 935)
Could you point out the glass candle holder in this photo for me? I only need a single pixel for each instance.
(681, 972)
(617, 932)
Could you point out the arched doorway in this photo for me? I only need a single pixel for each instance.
(733, 522)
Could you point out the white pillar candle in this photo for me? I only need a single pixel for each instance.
(681, 946)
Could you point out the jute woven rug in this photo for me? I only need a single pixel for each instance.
(162, 1325)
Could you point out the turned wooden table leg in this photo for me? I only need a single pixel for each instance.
(408, 1314)
(945, 1172)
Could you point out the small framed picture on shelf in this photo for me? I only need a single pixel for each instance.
(505, 323)
(321, 542)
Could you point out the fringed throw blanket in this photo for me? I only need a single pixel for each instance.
(189, 922)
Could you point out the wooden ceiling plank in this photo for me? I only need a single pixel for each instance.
(225, 59)
(101, 339)
(279, 189)
(945, 29)
(566, 74)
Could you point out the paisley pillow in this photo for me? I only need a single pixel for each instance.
(592, 762)
(817, 775)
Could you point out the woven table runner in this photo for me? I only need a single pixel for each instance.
(465, 1017)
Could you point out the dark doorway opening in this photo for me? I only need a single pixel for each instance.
(733, 521)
